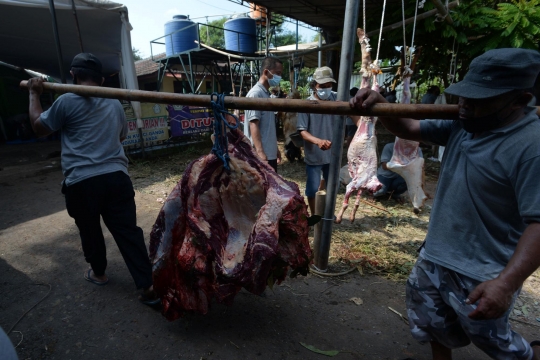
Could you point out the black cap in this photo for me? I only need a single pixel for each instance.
(497, 72)
(87, 61)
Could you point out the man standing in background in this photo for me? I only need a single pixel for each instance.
(261, 125)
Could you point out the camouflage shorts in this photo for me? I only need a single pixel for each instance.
(437, 312)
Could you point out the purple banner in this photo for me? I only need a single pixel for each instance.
(189, 120)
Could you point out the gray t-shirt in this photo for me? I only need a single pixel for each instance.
(267, 123)
(486, 196)
(91, 129)
(386, 156)
(321, 126)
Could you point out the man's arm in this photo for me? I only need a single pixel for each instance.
(256, 138)
(322, 144)
(404, 128)
(495, 296)
(35, 87)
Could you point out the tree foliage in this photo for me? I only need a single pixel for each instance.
(479, 25)
(213, 35)
(136, 54)
(281, 36)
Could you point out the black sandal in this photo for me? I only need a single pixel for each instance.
(150, 299)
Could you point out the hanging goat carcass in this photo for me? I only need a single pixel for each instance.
(406, 160)
(221, 231)
(362, 153)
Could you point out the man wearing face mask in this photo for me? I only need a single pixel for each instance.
(317, 130)
(261, 125)
(483, 239)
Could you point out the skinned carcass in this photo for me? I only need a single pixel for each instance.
(219, 232)
(362, 153)
(406, 160)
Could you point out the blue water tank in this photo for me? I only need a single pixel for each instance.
(182, 40)
(241, 35)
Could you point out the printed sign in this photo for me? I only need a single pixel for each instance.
(155, 131)
(189, 120)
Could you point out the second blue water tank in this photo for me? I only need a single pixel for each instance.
(241, 35)
(182, 40)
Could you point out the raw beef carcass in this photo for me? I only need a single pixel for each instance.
(218, 232)
(407, 162)
(362, 153)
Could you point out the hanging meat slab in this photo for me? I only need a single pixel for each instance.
(362, 153)
(219, 232)
(407, 162)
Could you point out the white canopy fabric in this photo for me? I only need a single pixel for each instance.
(27, 37)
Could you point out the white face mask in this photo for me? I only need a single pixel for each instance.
(324, 94)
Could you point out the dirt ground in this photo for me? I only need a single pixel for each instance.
(40, 254)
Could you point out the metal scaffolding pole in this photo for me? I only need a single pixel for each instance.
(319, 63)
(74, 9)
(322, 249)
(57, 40)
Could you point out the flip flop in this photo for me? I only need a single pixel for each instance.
(93, 281)
(150, 300)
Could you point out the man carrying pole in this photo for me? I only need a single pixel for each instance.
(96, 183)
(483, 239)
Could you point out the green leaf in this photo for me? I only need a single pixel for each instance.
(313, 219)
(322, 352)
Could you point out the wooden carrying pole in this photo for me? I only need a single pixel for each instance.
(415, 111)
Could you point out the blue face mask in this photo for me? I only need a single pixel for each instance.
(275, 80)
(324, 93)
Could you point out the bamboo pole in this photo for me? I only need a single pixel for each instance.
(415, 111)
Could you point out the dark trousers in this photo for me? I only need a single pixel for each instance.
(395, 185)
(110, 196)
(273, 164)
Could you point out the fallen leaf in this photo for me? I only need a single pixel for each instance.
(357, 301)
(322, 352)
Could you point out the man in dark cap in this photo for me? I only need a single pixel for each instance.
(96, 183)
(483, 239)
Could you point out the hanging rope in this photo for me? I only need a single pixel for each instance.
(365, 39)
(413, 32)
(364, 14)
(376, 66)
(221, 144)
(407, 66)
(453, 63)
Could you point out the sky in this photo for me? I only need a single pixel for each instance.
(148, 18)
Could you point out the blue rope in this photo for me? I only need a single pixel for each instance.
(220, 148)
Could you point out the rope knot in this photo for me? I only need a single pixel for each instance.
(376, 67)
(407, 71)
(221, 144)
